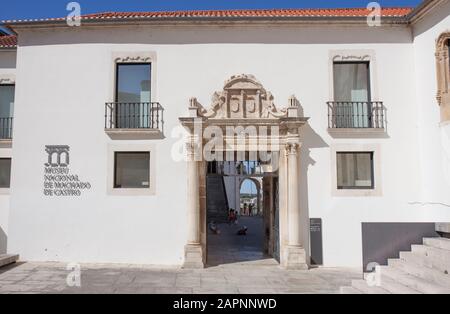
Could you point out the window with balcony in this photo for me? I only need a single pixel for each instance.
(6, 111)
(132, 170)
(352, 106)
(5, 173)
(355, 170)
(133, 110)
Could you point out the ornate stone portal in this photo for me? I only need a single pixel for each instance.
(244, 104)
(443, 75)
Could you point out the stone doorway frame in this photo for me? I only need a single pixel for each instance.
(245, 103)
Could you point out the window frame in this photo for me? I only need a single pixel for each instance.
(5, 189)
(116, 153)
(443, 75)
(112, 148)
(372, 171)
(369, 83)
(9, 130)
(13, 85)
(116, 85)
(374, 148)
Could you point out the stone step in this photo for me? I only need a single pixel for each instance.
(431, 256)
(440, 243)
(422, 260)
(349, 290)
(6, 259)
(413, 282)
(394, 287)
(362, 286)
(426, 273)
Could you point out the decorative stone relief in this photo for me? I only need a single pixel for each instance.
(243, 97)
(351, 57)
(443, 75)
(292, 148)
(7, 80)
(134, 57)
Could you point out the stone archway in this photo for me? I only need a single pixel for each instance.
(258, 186)
(243, 119)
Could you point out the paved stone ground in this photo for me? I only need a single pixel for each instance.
(228, 248)
(237, 265)
(245, 277)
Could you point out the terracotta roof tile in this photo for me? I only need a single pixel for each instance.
(9, 41)
(268, 13)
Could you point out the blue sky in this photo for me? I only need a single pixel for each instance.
(20, 9)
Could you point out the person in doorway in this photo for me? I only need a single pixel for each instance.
(245, 209)
(213, 227)
(250, 210)
(232, 216)
(242, 231)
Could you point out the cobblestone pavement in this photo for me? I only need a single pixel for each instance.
(262, 276)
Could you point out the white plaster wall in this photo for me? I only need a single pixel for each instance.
(7, 70)
(69, 73)
(434, 137)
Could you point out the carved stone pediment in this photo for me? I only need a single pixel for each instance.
(242, 97)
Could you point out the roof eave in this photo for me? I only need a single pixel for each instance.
(423, 9)
(388, 20)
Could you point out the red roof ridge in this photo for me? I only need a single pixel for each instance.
(237, 13)
(8, 41)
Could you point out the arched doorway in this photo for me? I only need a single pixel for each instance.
(250, 197)
(243, 119)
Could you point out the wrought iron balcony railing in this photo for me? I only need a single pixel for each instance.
(356, 115)
(6, 128)
(143, 115)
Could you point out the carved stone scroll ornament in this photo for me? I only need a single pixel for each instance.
(242, 97)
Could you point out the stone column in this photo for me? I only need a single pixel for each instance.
(295, 254)
(193, 257)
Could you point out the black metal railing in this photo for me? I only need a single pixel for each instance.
(349, 114)
(142, 115)
(6, 128)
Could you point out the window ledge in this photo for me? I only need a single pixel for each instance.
(357, 192)
(132, 192)
(5, 143)
(4, 191)
(357, 132)
(134, 134)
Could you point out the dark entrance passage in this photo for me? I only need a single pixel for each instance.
(245, 190)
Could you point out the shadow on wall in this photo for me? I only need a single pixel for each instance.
(3, 241)
(310, 140)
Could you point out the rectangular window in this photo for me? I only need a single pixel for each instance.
(132, 170)
(133, 95)
(5, 172)
(352, 94)
(355, 170)
(6, 110)
(351, 81)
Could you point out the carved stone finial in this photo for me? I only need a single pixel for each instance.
(294, 110)
(194, 107)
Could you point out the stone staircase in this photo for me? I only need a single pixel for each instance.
(216, 200)
(6, 259)
(424, 270)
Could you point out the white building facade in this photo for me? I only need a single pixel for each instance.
(367, 139)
